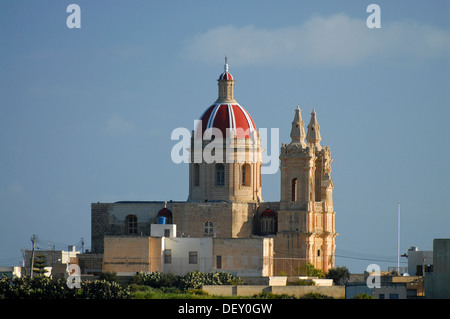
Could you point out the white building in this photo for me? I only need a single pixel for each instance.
(182, 255)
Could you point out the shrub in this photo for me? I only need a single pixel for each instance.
(47, 288)
(302, 282)
(313, 295)
(37, 288)
(102, 289)
(196, 279)
(269, 295)
(109, 276)
(155, 279)
(363, 296)
(340, 275)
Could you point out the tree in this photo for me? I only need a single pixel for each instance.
(340, 275)
(40, 262)
(313, 272)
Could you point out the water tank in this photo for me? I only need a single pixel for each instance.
(161, 220)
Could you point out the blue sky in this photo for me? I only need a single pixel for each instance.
(87, 114)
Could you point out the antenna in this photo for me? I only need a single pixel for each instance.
(398, 241)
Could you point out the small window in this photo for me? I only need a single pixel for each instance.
(318, 253)
(209, 229)
(196, 175)
(393, 296)
(294, 189)
(219, 262)
(166, 232)
(131, 224)
(220, 175)
(192, 257)
(168, 256)
(245, 176)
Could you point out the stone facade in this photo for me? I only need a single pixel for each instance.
(127, 255)
(241, 161)
(244, 256)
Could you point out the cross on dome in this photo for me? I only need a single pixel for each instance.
(226, 75)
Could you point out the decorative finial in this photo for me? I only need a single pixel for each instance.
(298, 129)
(313, 136)
(226, 64)
(165, 204)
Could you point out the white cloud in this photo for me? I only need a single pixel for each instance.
(336, 40)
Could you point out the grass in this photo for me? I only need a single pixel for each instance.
(146, 292)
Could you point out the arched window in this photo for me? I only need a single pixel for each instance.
(245, 175)
(220, 175)
(294, 189)
(131, 226)
(267, 222)
(196, 175)
(209, 229)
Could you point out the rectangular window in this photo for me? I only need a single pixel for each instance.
(209, 229)
(220, 175)
(219, 262)
(192, 257)
(393, 296)
(196, 175)
(168, 256)
(166, 232)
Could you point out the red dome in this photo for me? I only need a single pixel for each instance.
(165, 212)
(226, 76)
(268, 213)
(226, 116)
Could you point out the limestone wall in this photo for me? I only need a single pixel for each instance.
(336, 292)
(128, 255)
(244, 256)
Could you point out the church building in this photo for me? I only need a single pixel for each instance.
(225, 212)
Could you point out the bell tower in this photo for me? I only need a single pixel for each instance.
(306, 215)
